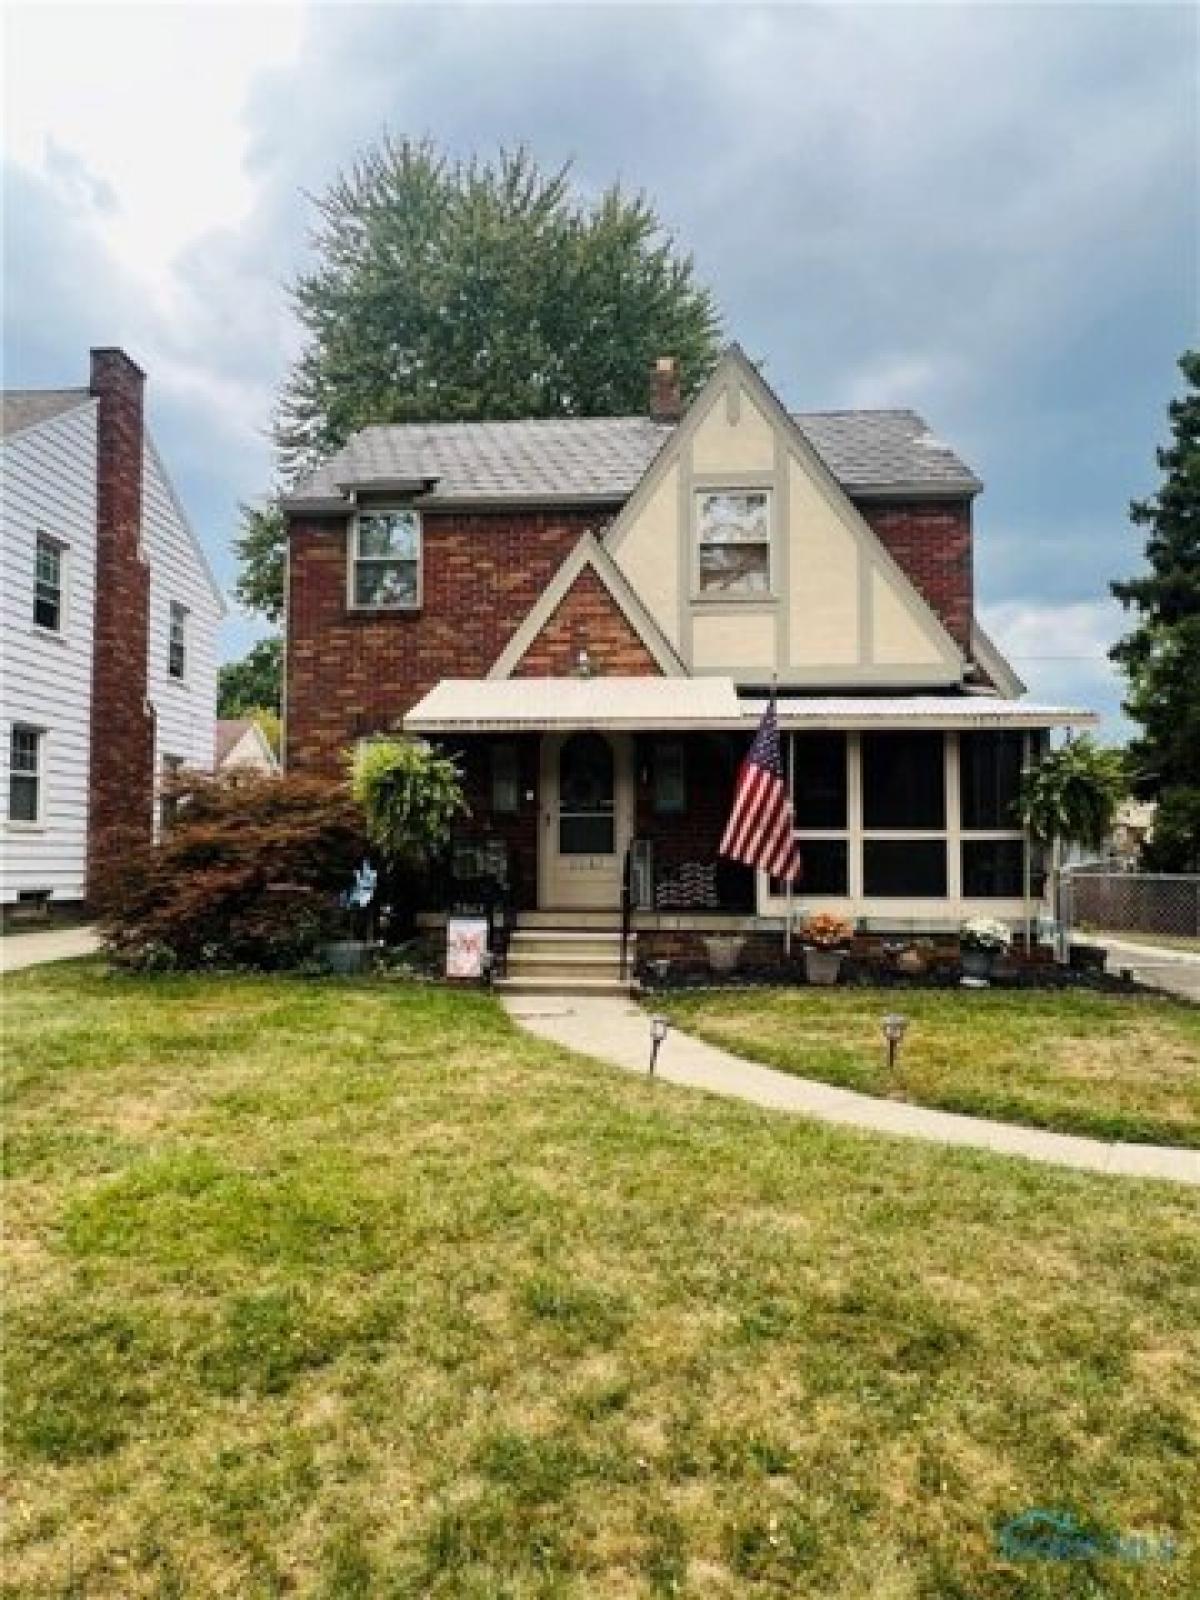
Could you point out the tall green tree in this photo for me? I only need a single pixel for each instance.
(473, 290)
(253, 683)
(1161, 656)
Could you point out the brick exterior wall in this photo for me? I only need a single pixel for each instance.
(587, 618)
(518, 829)
(710, 764)
(931, 542)
(351, 673)
(121, 775)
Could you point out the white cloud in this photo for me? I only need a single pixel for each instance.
(985, 212)
(1061, 651)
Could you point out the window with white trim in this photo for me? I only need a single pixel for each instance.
(26, 749)
(168, 801)
(177, 641)
(385, 560)
(49, 584)
(992, 841)
(900, 814)
(733, 544)
(818, 764)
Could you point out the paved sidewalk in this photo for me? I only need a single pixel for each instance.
(1175, 971)
(617, 1031)
(19, 950)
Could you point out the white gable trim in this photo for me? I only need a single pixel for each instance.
(987, 653)
(589, 552)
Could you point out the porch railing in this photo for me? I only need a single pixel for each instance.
(626, 909)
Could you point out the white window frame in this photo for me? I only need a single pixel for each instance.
(170, 768)
(62, 549)
(896, 911)
(37, 822)
(732, 597)
(178, 611)
(354, 559)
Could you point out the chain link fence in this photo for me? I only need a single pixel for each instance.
(1151, 905)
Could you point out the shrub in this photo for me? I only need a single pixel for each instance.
(249, 874)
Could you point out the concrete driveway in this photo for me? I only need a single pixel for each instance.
(19, 950)
(1176, 972)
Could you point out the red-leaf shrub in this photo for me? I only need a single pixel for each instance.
(248, 874)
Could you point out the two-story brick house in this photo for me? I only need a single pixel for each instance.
(592, 612)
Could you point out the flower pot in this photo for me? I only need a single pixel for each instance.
(978, 963)
(724, 951)
(823, 966)
(347, 958)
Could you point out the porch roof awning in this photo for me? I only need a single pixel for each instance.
(919, 711)
(514, 705)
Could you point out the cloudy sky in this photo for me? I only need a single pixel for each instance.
(988, 213)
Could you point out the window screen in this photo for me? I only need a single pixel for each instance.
(904, 780)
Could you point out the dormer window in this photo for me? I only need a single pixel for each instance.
(385, 563)
(733, 544)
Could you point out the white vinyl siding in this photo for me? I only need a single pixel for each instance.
(49, 487)
(184, 708)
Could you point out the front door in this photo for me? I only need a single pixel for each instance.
(587, 820)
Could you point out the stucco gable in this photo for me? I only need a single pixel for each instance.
(840, 609)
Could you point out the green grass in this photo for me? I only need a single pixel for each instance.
(1109, 1066)
(337, 1290)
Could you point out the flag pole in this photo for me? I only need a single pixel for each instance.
(787, 932)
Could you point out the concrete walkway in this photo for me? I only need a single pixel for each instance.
(1174, 971)
(617, 1031)
(19, 950)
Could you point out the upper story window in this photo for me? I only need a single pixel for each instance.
(733, 548)
(49, 583)
(385, 560)
(25, 750)
(177, 641)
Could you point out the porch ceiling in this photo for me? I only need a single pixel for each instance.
(514, 705)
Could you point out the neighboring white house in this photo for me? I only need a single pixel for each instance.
(110, 612)
(243, 746)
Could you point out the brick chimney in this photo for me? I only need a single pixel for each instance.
(121, 768)
(666, 396)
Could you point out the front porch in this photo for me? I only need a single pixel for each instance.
(589, 794)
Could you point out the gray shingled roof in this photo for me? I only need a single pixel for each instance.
(25, 408)
(604, 458)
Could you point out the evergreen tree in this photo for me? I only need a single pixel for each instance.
(1161, 656)
(465, 291)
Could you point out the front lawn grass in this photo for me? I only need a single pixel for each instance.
(350, 1291)
(1110, 1066)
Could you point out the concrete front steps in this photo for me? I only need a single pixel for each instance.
(575, 953)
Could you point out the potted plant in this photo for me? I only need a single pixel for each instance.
(825, 937)
(980, 941)
(724, 951)
(1071, 796)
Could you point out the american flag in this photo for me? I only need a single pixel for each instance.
(761, 830)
